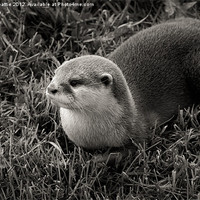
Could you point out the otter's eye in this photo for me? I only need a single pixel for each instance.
(75, 83)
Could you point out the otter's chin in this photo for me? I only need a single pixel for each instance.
(61, 104)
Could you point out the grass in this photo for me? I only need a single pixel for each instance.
(36, 159)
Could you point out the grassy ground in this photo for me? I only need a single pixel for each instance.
(36, 159)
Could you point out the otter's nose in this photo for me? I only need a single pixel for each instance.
(52, 89)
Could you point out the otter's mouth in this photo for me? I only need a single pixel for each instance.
(55, 100)
(62, 105)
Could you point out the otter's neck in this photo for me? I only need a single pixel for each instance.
(104, 127)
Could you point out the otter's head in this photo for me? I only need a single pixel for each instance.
(96, 106)
(85, 83)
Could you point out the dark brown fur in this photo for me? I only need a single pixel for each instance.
(162, 67)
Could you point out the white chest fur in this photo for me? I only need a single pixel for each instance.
(93, 130)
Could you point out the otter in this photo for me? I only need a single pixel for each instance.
(106, 102)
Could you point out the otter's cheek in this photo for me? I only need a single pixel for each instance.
(81, 95)
(86, 98)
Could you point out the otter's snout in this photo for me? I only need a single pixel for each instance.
(52, 89)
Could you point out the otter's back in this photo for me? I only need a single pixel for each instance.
(162, 66)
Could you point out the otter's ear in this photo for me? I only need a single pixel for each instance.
(106, 79)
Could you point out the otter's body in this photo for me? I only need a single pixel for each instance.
(162, 67)
(107, 102)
